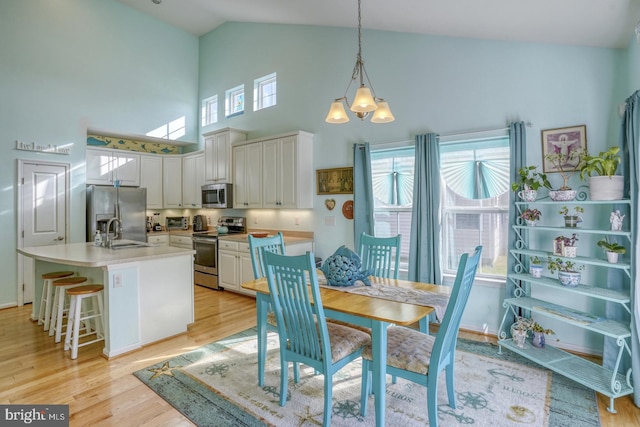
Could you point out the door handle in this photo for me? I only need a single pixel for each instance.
(59, 238)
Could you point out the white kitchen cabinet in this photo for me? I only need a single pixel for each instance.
(234, 265)
(180, 241)
(287, 170)
(151, 179)
(172, 181)
(192, 180)
(247, 176)
(217, 152)
(104, 167)
(158, 239)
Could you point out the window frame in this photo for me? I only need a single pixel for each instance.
(260, 100)
(209, 113)
(231, 97)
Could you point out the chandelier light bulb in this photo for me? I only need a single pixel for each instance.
(383, 113)
(337, 114)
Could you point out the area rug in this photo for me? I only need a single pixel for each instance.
(216, 385)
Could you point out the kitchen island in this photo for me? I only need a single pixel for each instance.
(148, 290)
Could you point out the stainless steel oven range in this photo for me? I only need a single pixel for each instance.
(205, 244)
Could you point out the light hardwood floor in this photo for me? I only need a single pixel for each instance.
(100, 392)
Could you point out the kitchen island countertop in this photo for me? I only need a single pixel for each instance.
(87, 254)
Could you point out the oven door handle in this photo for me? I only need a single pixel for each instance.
(205, 239)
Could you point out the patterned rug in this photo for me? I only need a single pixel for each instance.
(216, 385)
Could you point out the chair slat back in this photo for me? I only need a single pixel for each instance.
(293, 285)
(380, 255)
(257, 247)
(445, 343)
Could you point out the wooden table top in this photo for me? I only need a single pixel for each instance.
(400, 313)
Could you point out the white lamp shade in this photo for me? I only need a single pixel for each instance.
(363, 102)
(382, 114)
(337, 114)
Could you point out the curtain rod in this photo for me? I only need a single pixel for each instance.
(528, 124)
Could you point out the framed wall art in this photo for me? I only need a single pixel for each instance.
(567, 144)
(335, 181)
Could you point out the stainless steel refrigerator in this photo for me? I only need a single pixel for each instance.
(129, 204)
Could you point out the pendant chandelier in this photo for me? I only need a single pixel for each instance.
(365, 99)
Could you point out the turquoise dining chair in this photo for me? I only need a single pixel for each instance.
(380, 255)
(419, 357)
(305, 335)
(257, 247)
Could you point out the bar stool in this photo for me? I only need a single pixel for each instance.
(93, 294)
(59, 306)
(46, 300)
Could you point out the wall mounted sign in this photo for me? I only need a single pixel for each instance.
(52, 149)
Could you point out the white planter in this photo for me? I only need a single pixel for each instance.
(562, 195)
(606, 188)
(535, 270)
(612, 257)
(570, 280)
(528, 195)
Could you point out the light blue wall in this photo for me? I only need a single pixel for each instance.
(67, 65)
(433, 84)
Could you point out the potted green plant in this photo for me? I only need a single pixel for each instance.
(566, 246)
(531, 216)
(573, 220)
(613, 249)
(521, 328)
(535, 267)
(568, 272)
(566, 164)
(605, 185)
(530, 181)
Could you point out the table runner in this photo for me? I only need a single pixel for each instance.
(394, 293)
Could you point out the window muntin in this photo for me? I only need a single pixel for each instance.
(264, 92)
(210, 110)
(234, 101)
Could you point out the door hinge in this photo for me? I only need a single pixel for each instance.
(23, 234)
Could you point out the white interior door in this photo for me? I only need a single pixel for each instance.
(43, 202)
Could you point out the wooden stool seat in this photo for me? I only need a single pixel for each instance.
(59, 304)
(46, 299)
(82, 319)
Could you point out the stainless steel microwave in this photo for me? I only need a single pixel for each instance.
(217, 196)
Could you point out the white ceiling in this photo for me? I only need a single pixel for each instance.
(598, 23)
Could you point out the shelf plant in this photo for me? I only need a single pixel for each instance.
(605, 184)
(530, 216)
(613, 249)
(530, 182)
(571, 220)
(568, 271)
(566, 164)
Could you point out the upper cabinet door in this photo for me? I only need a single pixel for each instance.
(151, 179)
(104, 167)
(172, 181)
(217, 149)
(192, 180)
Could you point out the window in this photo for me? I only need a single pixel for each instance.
(475, 202)
(264, 92)
(210, 110)
(392, 179)
(234, 101)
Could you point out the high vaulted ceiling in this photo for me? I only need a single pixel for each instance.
(597, 23)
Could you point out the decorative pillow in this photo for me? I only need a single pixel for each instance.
(343, 268)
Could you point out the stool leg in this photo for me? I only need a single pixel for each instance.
(57, 311)
(100, 318)
(47, 312)
(70, 317)
(74, 324)
(44, 302)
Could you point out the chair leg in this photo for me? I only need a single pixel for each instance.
(296, 372)
(450, 391)
(284, 380)
(328, 399)
(432, 399)
(365, 387)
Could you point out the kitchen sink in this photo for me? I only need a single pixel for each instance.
(128, 245)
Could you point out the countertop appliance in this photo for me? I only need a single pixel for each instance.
(177, 223)
(129, 204)
(205, 263)
(217, 196)
(200, 223)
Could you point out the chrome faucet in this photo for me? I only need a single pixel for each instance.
(117, 233)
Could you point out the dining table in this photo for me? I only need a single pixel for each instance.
(376, 312)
